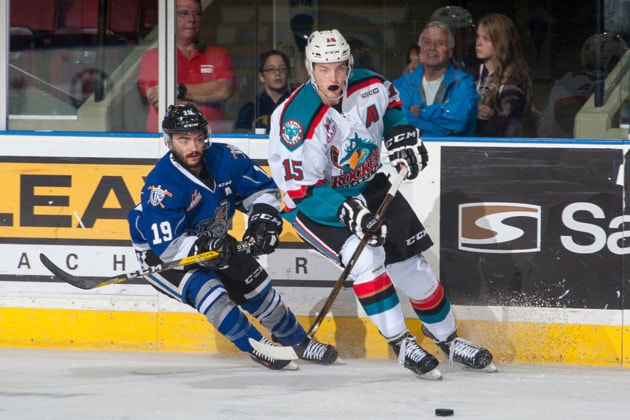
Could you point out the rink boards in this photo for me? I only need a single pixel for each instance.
(529, 240)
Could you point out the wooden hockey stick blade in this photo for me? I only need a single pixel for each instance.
(287, 352)
(88, 283)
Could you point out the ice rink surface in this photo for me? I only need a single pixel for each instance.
(51, 384)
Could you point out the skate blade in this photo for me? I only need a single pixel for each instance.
(491, 368)
(291, 366)
(432, 375)
(339, 361)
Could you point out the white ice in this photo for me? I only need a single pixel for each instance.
(60, 384)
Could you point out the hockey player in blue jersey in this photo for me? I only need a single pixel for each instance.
(324, 153)
(186, 208)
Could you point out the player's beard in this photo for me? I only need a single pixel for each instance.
(194, 167)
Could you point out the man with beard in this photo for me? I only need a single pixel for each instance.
(324, 153)
(186, 208)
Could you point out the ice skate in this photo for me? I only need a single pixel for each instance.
(415, 358)
(313, 351)
(270, 363)
(464, 352)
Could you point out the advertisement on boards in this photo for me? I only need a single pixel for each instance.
(75, 212)
(533, 226)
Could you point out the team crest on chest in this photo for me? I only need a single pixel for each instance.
(157, 195)
(291, 133)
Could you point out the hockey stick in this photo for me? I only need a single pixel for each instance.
(287, 352)
(88, 283)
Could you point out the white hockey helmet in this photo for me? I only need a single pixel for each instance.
(454, 16)
(610, 47)
(327, 47)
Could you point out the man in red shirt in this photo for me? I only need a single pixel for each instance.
(205, 75)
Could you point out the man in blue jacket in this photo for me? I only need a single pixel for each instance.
(437, 98)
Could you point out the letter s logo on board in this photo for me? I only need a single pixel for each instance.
(499, 227)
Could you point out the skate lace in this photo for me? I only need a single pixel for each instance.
(462, 350)
(261, 355)
(314, 351)
(410, 349)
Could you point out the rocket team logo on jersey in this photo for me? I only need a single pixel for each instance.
(157, 195)
(291, 133)
(358, 161)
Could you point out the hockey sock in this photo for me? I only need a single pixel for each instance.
(435, 313)
(269, 309)
(210, 298)
(379, 300)
(228, 319)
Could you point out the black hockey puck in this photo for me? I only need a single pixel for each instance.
(444, 412)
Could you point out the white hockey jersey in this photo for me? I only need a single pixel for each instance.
(319, 156)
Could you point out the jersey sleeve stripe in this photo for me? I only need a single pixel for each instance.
(395, 104)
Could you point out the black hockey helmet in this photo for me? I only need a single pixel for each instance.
(184, 119)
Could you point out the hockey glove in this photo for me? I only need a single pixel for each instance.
(264, 228)
(406, 148)
(226, 247)
(356, 217)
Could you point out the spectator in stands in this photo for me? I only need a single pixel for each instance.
(599, 55)
(413, 59)
(205, 75)
(273, 73)
(437, 98)
(503, 82)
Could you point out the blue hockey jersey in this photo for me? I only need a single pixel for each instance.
(175, 205)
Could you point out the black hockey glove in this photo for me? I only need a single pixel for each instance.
(356, 217)
(226, 247)
(263, 230)
(406, 148)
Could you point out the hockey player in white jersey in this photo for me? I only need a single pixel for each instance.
(186, 208)
(324, 153)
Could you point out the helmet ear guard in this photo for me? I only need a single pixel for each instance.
(184, 119)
